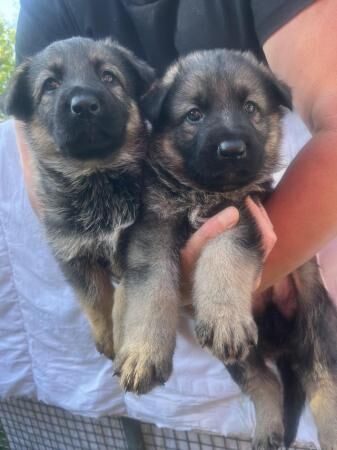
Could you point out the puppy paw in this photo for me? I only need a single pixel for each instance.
(272, 440)
(328, 444)
(105, 345)
(141, 369)
(229, 338)
(269, 433)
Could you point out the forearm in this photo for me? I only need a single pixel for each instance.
(26, 165)
(304, 220)
(303, 208)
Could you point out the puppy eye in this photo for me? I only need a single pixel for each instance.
(108, 77)
(250, 107)
(194, 115)
(51, 84)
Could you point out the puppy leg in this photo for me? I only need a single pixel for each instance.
(322, 393)
(262, 386)
(118, 314)
(148, 304)
(222, 294)
(94, 290)
(317, 351)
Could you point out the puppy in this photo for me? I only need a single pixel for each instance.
(78, 100)
(216, 119)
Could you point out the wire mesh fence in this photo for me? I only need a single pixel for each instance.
(166, 439)
(31, 425)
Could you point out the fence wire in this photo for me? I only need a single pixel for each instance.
(32, 425)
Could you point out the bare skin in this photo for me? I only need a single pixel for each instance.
(26, 166)
(302, 53)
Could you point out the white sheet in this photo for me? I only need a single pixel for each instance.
(46, 351)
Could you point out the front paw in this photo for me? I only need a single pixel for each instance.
(230, 338)
(274, 441)
(141, 368)
(269, 436)
(105, 345)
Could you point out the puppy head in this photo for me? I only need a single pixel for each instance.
(216, 119)
(81, 96)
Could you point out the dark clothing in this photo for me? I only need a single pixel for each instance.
(156, 30)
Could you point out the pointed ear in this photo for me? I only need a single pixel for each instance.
(153, 101)
(18, 99)
(278, 88)
(282, 93)
(145, 73)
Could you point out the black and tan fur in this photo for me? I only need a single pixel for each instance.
(191, 176)
(78, 100)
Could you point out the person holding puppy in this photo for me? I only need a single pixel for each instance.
(298, 40)
(291, 33)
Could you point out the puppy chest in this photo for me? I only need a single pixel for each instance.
(206, 207)
(100, 246)
(90, 206)
(101, 215)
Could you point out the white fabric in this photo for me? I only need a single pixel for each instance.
(46, 351)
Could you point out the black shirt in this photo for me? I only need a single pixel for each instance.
(156, 30)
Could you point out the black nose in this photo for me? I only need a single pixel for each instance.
(85, 105)
(233, 149)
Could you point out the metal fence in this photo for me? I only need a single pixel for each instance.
(31, 425)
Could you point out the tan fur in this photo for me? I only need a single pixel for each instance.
(118, 314)
(323, 404)
(170, 75)
(98, 309)
(222, 299)
(264, 389)
(145, 350)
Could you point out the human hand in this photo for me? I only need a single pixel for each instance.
(216, 225)
(266, 228)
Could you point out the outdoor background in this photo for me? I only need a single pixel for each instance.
(8, 17)
(9, 10)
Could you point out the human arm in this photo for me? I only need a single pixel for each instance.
(302, 53)
(26, 164)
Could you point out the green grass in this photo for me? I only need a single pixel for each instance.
(3, 440)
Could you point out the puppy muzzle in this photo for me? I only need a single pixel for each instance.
(90, 125)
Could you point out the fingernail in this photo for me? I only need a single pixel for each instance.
(228, 217)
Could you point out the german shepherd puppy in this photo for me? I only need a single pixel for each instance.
(216, 119)
(78, 100)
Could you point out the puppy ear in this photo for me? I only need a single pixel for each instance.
(281, 92)
(153, 101)
(144, 73)
(18, 101)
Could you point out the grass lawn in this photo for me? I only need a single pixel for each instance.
(3, 440)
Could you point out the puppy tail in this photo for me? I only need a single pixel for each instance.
(293, 399)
